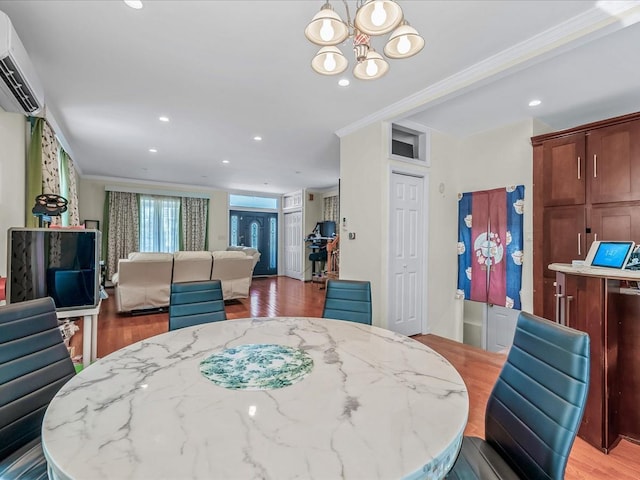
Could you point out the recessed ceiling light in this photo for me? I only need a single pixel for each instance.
(535, 103)
(257, 138)
(344, 82)
(137, 4)
(225, 161)
(153, 150)
(163, 118)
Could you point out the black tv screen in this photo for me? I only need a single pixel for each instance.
(51, 262)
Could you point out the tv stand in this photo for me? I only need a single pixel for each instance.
(89, 330)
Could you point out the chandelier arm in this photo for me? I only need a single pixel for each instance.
(349, 23)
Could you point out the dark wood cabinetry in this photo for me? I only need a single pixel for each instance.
(586, 183)
(564, 167)
(586, 187)
(608, 312)
(581, 306)
(613, 163)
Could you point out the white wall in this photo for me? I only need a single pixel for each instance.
(91, 195)
(13, 128)
(495, 159)
(444, 311)
(487, 160)
(364, 204)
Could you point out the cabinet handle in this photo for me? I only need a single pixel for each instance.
(579, 242)
(567, 318)
(558, 297)
(595, 237)
(595, 165)
(578, 167)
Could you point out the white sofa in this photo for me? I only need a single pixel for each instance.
(143, 280)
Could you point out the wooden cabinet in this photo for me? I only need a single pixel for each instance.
(564, 167)
(615, 222)
(613, 163)
(564, 235)
(586, 183)
(581, 306)
(608, 311)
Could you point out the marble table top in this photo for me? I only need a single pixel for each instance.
(371, 404)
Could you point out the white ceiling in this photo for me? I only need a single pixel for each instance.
(225, 71)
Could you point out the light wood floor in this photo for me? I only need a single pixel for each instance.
(282, 296)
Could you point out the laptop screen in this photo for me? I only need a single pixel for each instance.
(612, 254)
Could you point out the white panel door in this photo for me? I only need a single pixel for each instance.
(406, 248)
(501, 327)
(293, 237)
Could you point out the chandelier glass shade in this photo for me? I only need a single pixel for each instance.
(373, 18)
(329, 61)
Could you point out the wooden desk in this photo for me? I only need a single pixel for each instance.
(592, 300)
(373, 404)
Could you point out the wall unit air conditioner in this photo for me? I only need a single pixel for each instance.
(20, 88)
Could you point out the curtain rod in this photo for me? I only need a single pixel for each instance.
(153, 191)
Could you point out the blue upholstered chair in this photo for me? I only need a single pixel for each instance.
(348, 300)
(535, 408)
(193, 303)
(34, 365)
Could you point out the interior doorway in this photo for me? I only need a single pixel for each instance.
(407, 253)
(258, 230)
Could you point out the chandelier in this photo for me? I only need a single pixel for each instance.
(373, 18)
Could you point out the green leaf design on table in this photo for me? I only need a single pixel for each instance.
(257, 366)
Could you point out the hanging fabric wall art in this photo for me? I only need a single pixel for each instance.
(490, 244)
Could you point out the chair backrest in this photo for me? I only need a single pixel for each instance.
(193, 303)
(34, 365)
(348, 300)
(536, 405)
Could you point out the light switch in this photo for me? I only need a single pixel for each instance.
(352, 235)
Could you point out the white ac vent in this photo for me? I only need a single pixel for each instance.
(20, 88)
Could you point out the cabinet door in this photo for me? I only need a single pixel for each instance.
(564, 170)
(613, 164)
(549, 302)
(584, 309)
(616, 222)
(564, 236)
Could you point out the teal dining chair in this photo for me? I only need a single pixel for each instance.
(348, 300)
(193, 303)
(34, 365)
(535, 408)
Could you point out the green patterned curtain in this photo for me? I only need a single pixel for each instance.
(194, 214)
(69, 189)
(331, 206)
(123, 228)
(33, 171)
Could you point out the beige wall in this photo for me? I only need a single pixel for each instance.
(364, 203)
(487, 160)
(91, 194)
(13, 128)
(496, 159)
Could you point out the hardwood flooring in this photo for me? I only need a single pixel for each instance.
(281, 296)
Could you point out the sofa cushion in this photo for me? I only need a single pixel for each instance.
(150, 256)
(227, 254)
(191, 266)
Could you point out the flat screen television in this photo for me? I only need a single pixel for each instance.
(52, 262)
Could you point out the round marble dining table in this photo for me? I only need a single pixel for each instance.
(263, 398)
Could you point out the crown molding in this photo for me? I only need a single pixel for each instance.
(576, 31)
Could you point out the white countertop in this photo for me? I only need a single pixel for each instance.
(376, 405)
(633, 275)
